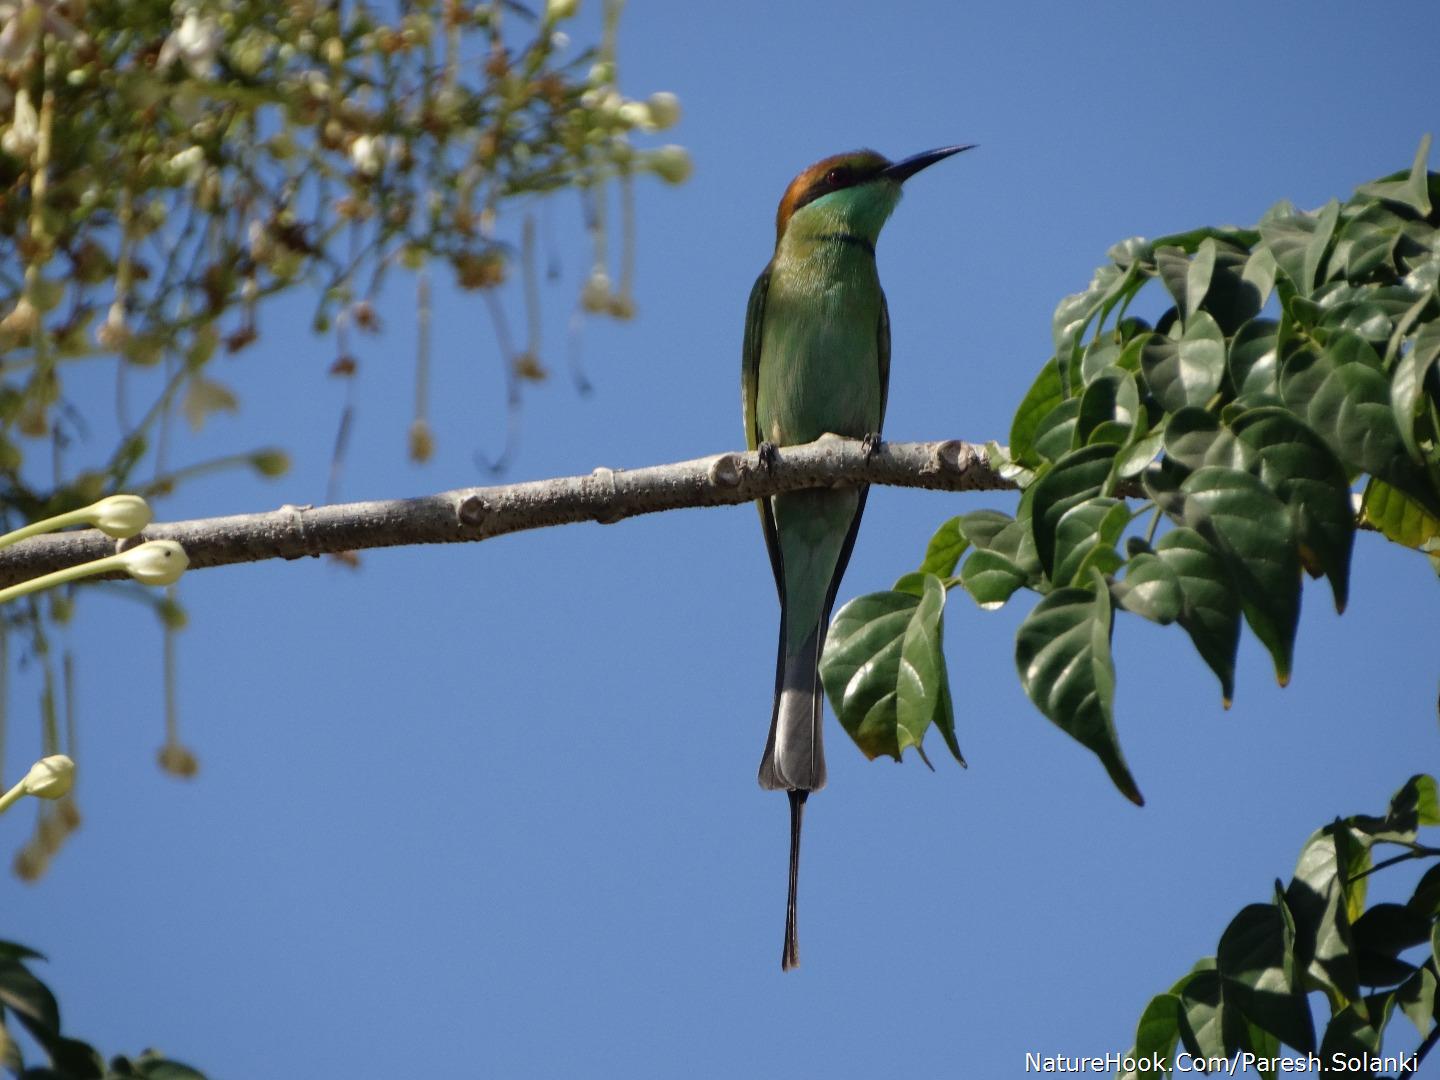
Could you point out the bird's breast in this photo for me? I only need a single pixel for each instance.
(819, 367)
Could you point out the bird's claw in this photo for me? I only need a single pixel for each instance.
(871, 444)
(769, 455)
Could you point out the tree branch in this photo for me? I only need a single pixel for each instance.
(470, 514)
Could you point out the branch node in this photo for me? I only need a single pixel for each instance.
(608, 510)
(954, 456)
(725, 471)
(472, 512)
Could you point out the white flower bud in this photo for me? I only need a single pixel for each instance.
(155, 562)
(120, 516)
(24, 131)
(188, 164)
(50, 777)
(367, 153)
(555, 10)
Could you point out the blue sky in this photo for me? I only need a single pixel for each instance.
(490, 810)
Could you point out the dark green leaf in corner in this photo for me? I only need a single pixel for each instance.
(1251, 960)
(991, 578)
(1062, 652)
(1250, 529)
(1210, 608)
(1297, 465)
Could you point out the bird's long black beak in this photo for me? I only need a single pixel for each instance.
(901, 171)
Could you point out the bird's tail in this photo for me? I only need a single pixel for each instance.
(794, 757)
(790, 954)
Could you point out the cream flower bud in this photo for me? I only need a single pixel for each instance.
(595, 296)
(556, 10)
(155, 562)
(367, 153)
(50, 777)
(664, 110)
(672, 164)
(120, 516)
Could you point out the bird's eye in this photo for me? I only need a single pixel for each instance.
(833, 177)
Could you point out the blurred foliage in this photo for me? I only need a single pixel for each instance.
(1187, 472)
(1315, 936)
(165, 167)
(25, 998)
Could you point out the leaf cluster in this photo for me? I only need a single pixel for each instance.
(24, 997)
(1315, 936)
(1190, 471)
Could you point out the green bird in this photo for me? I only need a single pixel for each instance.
(816, 360)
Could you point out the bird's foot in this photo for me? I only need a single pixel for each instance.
(871, 444)
(769, 454)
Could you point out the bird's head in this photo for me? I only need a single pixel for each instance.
(850, 193)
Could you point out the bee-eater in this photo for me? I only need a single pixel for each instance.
(816, 361)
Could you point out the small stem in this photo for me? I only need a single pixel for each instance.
(60, 577)
(11, 797)
(1418, 852)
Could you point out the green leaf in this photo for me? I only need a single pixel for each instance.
(945, 549)
(991, 578)
(1187, 280)
(923, 683)
(1416, 998)
(1044, 394)
(1425, 901)
(1253, 358)
(1379, 936)
(1086, 535)
(1078, 476)
(1407, 384)
(1299, 240)
(1062, 652)
(1322, 928)
(1343, 396)
(1150, 589)
(873, 662)
(1055, 434)
(28, 997)
(1251, 959)
(1135, 458)
(1210, 611)
(1259, 274)
(1111, 396)
(983, 526)
(1296, 465)
(1194, 439)
(1398, 517)
(1250, 529)
(1411, 190)
(1156, 1036)
(1207, 1028)
(1350, 1033)
(1187, 371)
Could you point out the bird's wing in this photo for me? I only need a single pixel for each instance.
(750, 358)
(882, 352)
(749, 393)
(882, 358)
